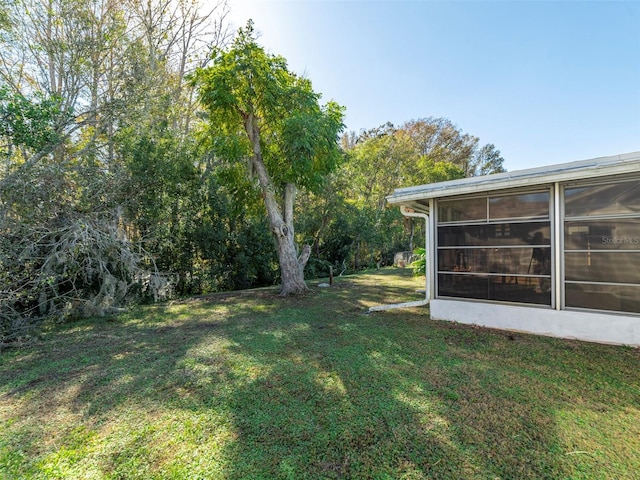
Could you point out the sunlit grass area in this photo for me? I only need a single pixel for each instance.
(250, 385)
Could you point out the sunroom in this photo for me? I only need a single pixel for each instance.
(552, 250)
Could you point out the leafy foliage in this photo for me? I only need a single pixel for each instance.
(30, 122)
(278, 128)
(419, 265)
(84, 143)
(376, 162)
(112, 175)
(298, 135)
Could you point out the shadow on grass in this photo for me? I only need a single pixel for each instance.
(358, 402)
(255, 386)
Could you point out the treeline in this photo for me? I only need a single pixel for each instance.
(111, 187)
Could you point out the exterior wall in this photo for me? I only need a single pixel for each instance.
(580, 325)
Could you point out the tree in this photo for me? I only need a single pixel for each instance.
(441, 141)
(267, 116)
(58, 256)
(91, 93)
(488, 160)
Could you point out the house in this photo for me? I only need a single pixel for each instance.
(552, 250)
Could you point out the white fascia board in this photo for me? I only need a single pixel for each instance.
(566, 172)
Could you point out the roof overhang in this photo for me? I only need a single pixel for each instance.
(581, 170)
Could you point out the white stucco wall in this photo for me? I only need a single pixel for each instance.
(588, 326)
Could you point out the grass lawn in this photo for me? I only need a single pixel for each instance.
(249, 385)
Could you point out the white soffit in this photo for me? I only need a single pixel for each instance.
(581, 170)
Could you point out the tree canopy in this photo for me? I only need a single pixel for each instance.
(146, 151)
(263, 114)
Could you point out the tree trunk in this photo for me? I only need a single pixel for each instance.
(291, 266)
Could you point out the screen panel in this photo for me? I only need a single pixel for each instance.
(495, 247)
(605, 267)
(524, 205)
(602, 246)
(618, 234)
(531, 290)
(508, 261)
(611, 199)
(495, 234)
(461, 210)
(621, 298)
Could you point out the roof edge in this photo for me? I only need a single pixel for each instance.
(577, 170)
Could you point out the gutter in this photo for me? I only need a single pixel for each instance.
(624, 164)
(407, 212)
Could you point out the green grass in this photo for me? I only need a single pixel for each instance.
(249, 385)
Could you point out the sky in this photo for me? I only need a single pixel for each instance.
(546, 82)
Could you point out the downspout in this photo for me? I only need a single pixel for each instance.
(407, 212)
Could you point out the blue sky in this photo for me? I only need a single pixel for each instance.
(546, 82)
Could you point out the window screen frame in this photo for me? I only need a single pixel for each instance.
(602, 220)
(546, 222)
